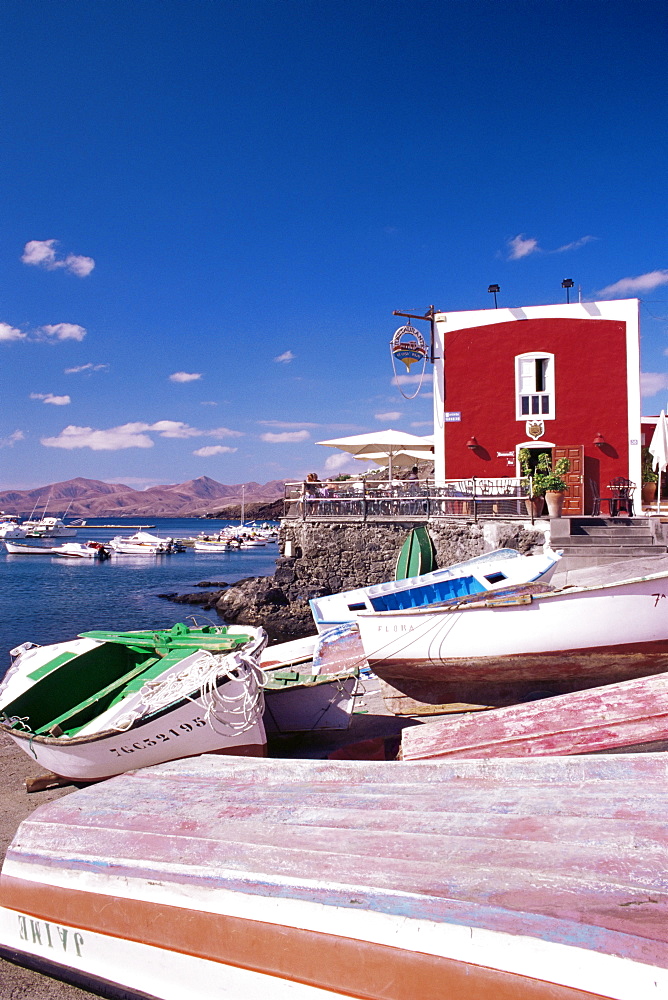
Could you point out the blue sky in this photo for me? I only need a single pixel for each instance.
(212, 208)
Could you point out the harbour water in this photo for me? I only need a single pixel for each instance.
(46, 599)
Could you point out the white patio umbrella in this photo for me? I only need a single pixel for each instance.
(386, 443)
(658, 449)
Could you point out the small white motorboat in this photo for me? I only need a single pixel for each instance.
(82, 550)
(142, 543)
(211, 545)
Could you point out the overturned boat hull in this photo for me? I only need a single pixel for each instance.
(628, 717)
(499, 880)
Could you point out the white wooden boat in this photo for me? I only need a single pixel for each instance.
(211, 545)
(108, 701)
(142, 543)
(310, 684)
(27, 545)
(239, 879)
(497, 649)
(490, 571)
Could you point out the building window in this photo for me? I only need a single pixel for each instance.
(534, 386)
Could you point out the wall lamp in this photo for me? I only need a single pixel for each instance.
(493, 289)
(599, 440)
(472, 444)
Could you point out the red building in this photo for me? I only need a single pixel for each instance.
(560, 378)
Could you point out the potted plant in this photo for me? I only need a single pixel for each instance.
(650, 477)
(536, 502)
(549, 482)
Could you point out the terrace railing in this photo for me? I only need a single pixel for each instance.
(359, 499)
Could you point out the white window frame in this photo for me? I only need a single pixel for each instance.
(525, 385)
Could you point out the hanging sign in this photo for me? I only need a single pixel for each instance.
(408, 345)
(535, 428)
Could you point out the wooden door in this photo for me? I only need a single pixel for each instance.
(574, 499)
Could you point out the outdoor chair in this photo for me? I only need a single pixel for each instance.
(622, 496)
(595, 498)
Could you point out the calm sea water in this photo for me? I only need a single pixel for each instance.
(47, 599)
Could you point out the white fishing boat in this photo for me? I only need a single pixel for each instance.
(491, 571)
(609, 624)
(241, 879)
(211, 545)
(27, 545)
(108, 701)
(51, 527)
(82, 550)
(142, 543)
(310, 684)
(9, 525)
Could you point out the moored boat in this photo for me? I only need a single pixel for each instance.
(107, 701)
(232, 878)
(490, 571)
(82, 550)
(142, 543)
(610, 624)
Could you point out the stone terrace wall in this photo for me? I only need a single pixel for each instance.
(321, 558)
(329, 557)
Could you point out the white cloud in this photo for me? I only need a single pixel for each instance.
(390, 415)
(521, 246)
(177, 429)
(287, 437)
(185, 376)
(11, 440)
(642, 283)
(422, 423)
(174, 429)
(575, 245)
(42, 253)
(48, 397)
(213, 449)
(341, 461)
(131, 435)
(114, 439)
(652, 382)
(8, 332)
(285, 357)
(223, 432)
(63, 331)
(286, 424)
(79, 265)
(90, 367)
(408, 379)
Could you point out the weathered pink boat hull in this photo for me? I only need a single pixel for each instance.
(630, 715)
(494, 880)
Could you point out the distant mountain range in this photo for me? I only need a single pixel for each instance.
(92, 498)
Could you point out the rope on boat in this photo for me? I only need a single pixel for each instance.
(210, 674)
